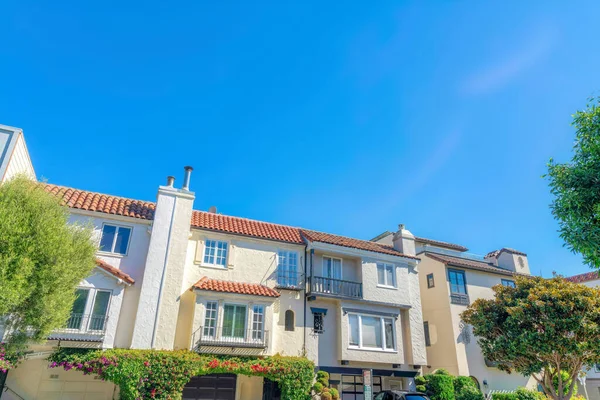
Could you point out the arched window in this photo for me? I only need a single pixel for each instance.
(289, 321)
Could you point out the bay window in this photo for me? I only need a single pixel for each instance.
(371, 332)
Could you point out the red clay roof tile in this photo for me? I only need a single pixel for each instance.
(439, 243)
(588, 276)
(471, 264)
(216, 285)
(115, 271)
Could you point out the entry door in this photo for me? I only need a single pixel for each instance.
(271, 390)
(332, 269)
(210, 387)
(234, 321)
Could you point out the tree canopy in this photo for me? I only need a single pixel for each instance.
(576, 187)
(542, 328)
(42, 260)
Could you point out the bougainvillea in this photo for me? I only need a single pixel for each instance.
(162, 374)
(8, 359)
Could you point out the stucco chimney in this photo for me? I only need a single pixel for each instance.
(170, 181)
(404, 241)
(162, 283)
(186, 177)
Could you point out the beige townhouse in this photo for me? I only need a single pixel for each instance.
(450, 279)
(171, 277)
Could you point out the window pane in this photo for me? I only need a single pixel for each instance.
(380, 274)
(290, 324)
(389, 334)
(353, 322)
(293, 268)
(221, 253)
(371, 332)
(122, 240)
(239, 321)
(209, 252)
(108, 237)
(210, 320)
(228, 314)
(258, 322)
(389, 275)
(81, 296)
(282, 269)
(99, 312)
(337, 269)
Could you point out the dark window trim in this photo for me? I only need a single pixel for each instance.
(290, 322)
(430, 281)
(505, 281)
(427, 337)
(458, 298)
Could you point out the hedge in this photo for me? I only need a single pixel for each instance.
(162, 374)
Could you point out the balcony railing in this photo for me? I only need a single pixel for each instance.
(228, 337)
(85, 323)
(460, 299)
(336, 287)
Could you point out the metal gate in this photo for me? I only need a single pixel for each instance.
(271, 390)
(210, 387)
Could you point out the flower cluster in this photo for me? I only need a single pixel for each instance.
(7, 361)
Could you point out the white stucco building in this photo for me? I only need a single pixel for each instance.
(171, 277)
(450, 280)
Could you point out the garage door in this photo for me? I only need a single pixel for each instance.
(210, 387)
(352, 387)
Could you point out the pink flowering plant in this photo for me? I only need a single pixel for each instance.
(162, 374)
(8, 359)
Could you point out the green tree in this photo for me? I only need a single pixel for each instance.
(42, 259)
(576, 187)
(543, 328)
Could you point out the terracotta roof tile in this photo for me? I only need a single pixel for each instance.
(441, 244)
(471, 264)
(496, 253)
(90, 201)
(248, 227)
(588, 276)
(216, 285)
(315, 236)
(115, 271)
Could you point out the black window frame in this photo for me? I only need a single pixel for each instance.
(426, 332)
(318, 323)
(290, 321)
(430, 281)
(458, 298)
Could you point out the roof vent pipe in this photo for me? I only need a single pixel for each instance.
(186, 177)
(170, 181)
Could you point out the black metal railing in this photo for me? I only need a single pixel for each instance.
(230, 337)
(85, 323)
(460, 299)
(337, 287)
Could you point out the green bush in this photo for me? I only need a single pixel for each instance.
(441, 371)
(420, 380)
(335, 395)
(463, 383)
(469, 393)
(526, 394)
(421, 388)
(440, 386)
(322, 375)
(317, 387)
(504, 396)
(326, 396)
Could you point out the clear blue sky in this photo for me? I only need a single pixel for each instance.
(348, 119)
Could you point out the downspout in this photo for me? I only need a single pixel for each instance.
(162, 279)
(305, 280)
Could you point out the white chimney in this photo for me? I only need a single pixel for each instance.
(404, 241)
(186, 177)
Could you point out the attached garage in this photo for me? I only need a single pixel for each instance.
(211, 387)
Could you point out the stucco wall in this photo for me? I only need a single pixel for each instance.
(373, 292)
(19, 161)
(351, 270)
(132, 264)
(32, 380)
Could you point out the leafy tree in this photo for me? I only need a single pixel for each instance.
(576, 187)
(42, 259)
(543, 328)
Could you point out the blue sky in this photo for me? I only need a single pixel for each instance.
(343, 118)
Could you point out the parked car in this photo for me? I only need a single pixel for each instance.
(399, 395)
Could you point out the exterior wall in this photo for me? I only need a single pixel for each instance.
(593, 375)
(249, 388)
(324, 349)
(248, 260)
(34, 380)
(132, 264)
(14, 157)
(514, 262)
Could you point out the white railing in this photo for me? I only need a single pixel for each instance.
(491, 393)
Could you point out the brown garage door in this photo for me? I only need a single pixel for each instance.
(210, 387)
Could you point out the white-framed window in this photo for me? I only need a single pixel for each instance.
(115, 239)
(332, 267)
(234, 321)
(287, 268)
(371, 332)
(258, 322)
(90, 310)
(210, 319)
(215, 253)
(386, 275)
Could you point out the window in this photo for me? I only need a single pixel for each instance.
(210, 319)
(426, 330)
(115, 239)
(290, 324)
(458, 287)
(386, 275)
(98, 317)
(258, 322)
(430, 281)
(89, 310)
(215, 253)
(81, 297)
(234, 321)
(318, 323)
(371, 332)
(287, 268)
(332, 267)
(509, 283)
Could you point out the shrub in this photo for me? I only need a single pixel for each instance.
(420, 380)
(317, 387)
(463, 383)
(326, 396)
(322, 375)
(440, 386)
(469, 393)
(526, 394)
(421, 388)
(441, 371)
(326, 390)
(504, 396)
(335, 395)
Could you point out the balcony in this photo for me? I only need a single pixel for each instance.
(320, 285)
(459, 299)
(227, 337)
(82, 327)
